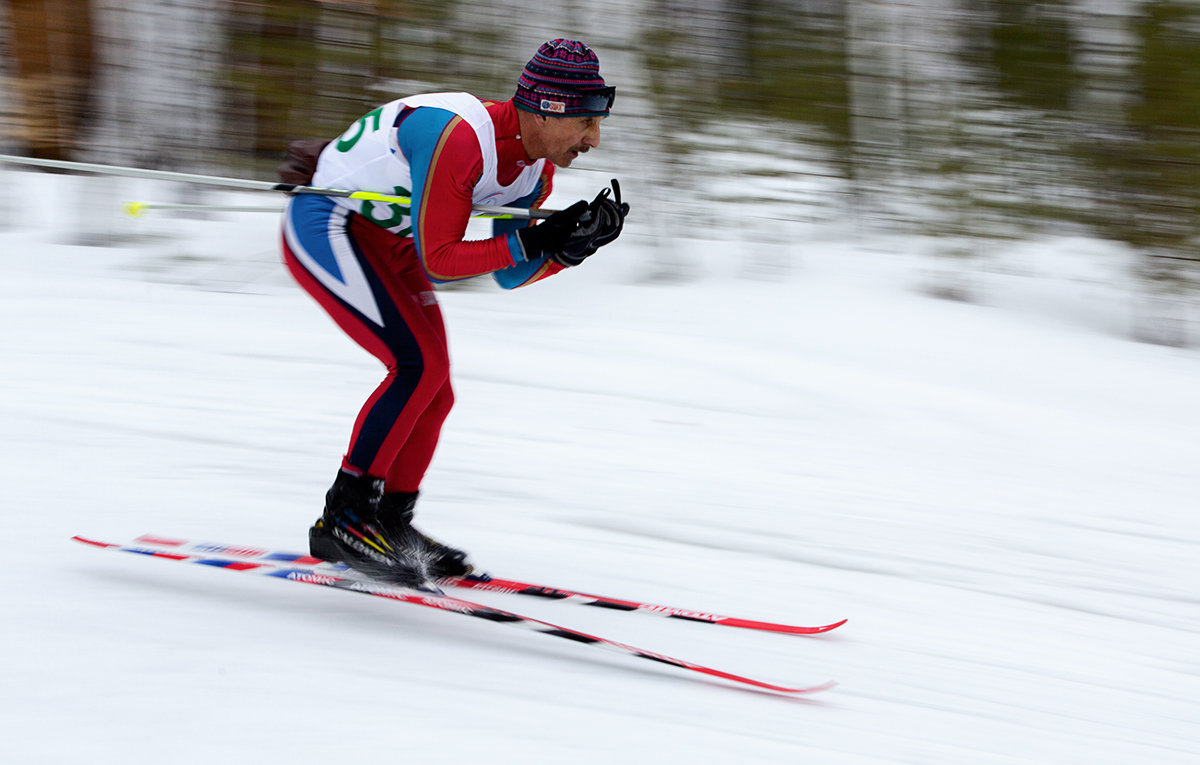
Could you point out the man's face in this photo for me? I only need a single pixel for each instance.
(562, 139)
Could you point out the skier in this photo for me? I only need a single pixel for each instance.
(372, 267)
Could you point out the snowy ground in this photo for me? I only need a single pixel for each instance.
(1001, 497)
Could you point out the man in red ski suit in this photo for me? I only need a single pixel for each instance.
(373, 266)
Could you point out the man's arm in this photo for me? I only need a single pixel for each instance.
(445, 160)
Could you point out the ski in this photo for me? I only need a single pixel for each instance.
(486, 582)
(308, 575)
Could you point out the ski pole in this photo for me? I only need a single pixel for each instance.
(137, 209)
(251, 185)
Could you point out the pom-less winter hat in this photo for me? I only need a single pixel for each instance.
(563, 80)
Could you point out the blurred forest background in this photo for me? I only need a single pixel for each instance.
(966, 121)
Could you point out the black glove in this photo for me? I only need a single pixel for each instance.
(569, 236)
(600, 225)
(550, 235)
(608, 217)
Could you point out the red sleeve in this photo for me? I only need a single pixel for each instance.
(442, 207)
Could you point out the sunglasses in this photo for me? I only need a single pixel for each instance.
(599, 100)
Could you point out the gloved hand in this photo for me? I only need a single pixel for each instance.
(601, 224)
(551, 235)
(301, 161)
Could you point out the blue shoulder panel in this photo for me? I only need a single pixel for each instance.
(418, 135)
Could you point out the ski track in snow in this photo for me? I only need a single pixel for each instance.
(1001, 497)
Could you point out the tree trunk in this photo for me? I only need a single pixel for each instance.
(55, 64)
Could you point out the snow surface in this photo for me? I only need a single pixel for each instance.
(1001, 496)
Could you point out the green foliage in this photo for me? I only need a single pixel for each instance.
(1150, 164)
(1027, 50)
(304, 67)
(792, 65)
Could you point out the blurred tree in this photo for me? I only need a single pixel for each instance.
(1029, 47)
(1149, 166)
(272, 61)
(765, 81)
(1010, 131)
(682, 66)
(54, 53)
(789, 60)
(298, 68)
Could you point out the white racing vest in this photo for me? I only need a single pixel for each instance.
(367, 158)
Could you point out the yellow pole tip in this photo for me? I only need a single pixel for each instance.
(135, 209)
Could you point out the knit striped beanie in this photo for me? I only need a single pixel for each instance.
(563, 80)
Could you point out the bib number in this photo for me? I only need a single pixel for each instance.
(398, 212)
(359, 129)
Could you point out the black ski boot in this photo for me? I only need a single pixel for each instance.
(354, 530)
(437, 560)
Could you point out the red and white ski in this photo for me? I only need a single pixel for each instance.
(485, 582)
(309, 575)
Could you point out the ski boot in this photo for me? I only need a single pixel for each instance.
(352, 530)
(437, 560)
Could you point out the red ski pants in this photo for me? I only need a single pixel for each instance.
(372, 285)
